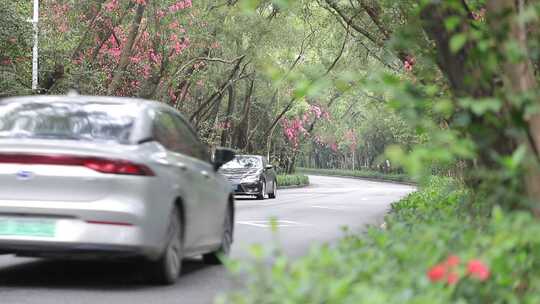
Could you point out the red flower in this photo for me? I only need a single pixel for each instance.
(478, 270)
(452, 278)
(453, 261)
(436, 273)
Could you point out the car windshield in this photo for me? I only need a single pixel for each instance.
(66, 120)
(244, 162)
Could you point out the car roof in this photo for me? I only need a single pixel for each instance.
(138, 102)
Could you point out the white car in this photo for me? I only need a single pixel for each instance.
(107, 177)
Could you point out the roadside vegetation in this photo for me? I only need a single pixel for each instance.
(369, 174)
(431, 251)
(426, 87)
(460, 115)
(288, 180)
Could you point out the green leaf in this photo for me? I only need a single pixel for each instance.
(481, 106)
(444, 107)
(249, 6)
(283, 4)
(302, 89)
(342, 86)
(256, 251)
(457, 42)
(452, 22)
(519, 155)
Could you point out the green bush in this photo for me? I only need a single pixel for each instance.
(357, 173)
(492, 260)
(292, 180)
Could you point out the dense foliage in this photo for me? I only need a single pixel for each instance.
(376, 175)
(286, 180)
(431, 251)
(420, 87)
(267, 77)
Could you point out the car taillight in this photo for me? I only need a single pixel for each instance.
(117, 167)
(103, 165)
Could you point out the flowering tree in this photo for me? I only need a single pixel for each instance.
(132, 44)
(15, 48)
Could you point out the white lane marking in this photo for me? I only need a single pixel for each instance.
(330, 208)
(268, 223)
(254, 223)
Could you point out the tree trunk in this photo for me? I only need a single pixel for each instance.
(126, 52)
(213, 117)
(83, 41)
(225, 134)
(222, 88)
(467, 77)
(151, 84)
(519, 78)
(240, 136)
(103, 37)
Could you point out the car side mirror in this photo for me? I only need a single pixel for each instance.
(269, 167)
(222, 156)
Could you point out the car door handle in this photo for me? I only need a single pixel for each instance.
(181, 166)
(205, 174)
(162, 161)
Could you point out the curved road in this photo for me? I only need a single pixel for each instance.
(305, 216)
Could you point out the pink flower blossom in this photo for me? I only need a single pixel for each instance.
(180, 5)
(135, 83)
(145, 36)
(408, 63)
(63, 28)
(155, 58)
(225, 125)
(174, 25)
(452, 278)
(436, 273)
(478, 270)
(480, 15)
(135, 59)
(453, 261)
(111, 5)
(115, 52)
(172, 94)
(146, 72)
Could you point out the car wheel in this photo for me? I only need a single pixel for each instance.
(167, 268)
(273, 194)
(262, 195)
(214, 257)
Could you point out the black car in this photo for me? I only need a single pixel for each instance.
(251, 175)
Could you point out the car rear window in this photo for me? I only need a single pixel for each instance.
(244, 162)
(66, 120)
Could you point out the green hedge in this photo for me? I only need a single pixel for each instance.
(292, 180)
(430, 252)
(357, 173)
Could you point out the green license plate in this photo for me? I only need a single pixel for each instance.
(27, 227)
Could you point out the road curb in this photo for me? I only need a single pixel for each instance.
(292, 187)
(366, 178)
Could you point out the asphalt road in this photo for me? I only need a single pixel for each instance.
(304, 216)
